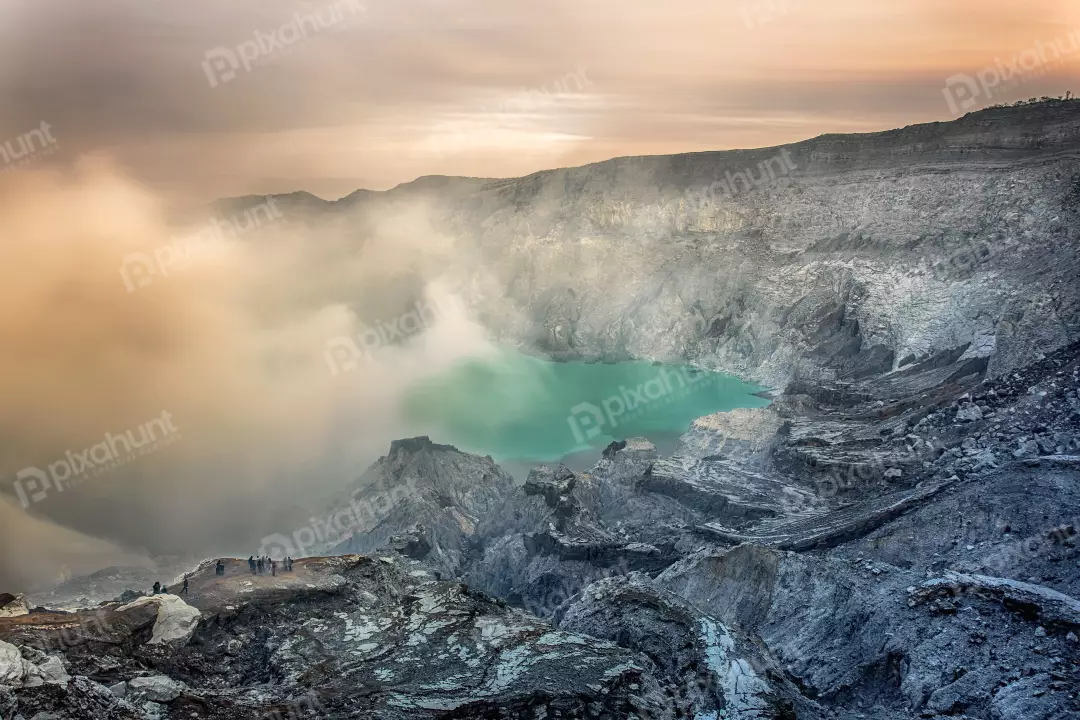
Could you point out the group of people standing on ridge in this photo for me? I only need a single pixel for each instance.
(263, 563)
(258, 566)
(160, 589)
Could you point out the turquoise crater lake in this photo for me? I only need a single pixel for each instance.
(524, 410)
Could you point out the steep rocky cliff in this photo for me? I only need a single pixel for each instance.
(841, 256)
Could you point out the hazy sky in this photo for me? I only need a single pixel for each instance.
(378, 95)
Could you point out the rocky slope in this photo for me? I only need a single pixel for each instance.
(898, 547)
(350, 636)
(894, 537)
(841, 256)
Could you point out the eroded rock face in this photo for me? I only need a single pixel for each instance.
(423, 483)
(868, 252)
(176, 620)
(381, 639)
(707, 668)
(79, 699)
(863, 632)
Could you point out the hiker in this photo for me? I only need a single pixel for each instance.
(220, 569)
(251, 564)
(157, 588)
(183, 590)
(164, 590)
(288, 564)
(259, 564)
(273, 568)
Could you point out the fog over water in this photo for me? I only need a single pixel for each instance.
(226, 339)
(524, 410)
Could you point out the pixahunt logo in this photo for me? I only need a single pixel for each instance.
(344, 354)
(33, 484)
(302, 707)
(222, 64)
(587, 420)
(962, 91)
(743, 181)
(763, 12)
(27, 147)
(339, 524)
(138, 270)
(530, 99)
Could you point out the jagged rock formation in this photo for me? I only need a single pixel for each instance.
(707, 667)
(445, 492)
(348, 636)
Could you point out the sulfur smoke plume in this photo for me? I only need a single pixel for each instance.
(220, 353)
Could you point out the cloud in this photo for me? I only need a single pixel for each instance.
(421, 87)
(230, 344)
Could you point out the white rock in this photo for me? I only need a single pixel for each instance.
(16, 607)
(176, 620)
(969, 413)
(156, 688)
(12, 665)
(16, 671)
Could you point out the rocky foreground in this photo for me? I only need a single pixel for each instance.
(903, 548)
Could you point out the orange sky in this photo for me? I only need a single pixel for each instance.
(492, 87)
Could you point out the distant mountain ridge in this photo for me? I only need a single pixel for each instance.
(836, 256)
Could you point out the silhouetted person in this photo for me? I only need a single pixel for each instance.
(259, 564)
(157, 588)
(164, 590)
(183, 590)
(273, 568)
(220, 569)
(251, 564)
